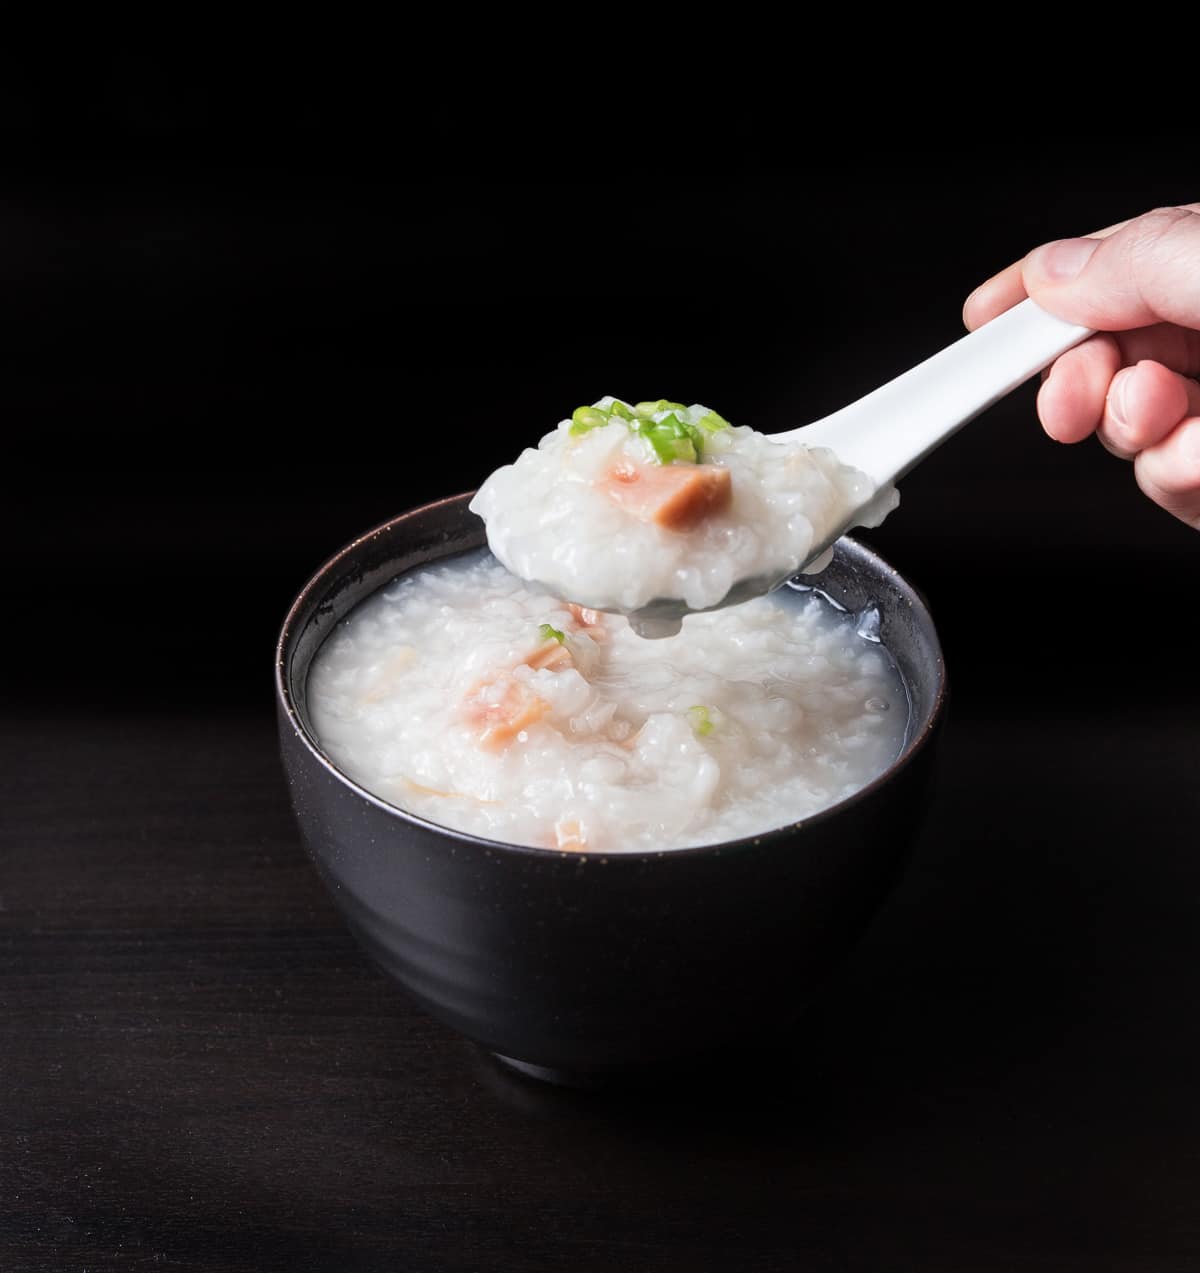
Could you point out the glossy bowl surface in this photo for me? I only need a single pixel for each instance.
(581, 966)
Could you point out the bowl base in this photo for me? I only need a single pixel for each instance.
(758, 1058)
(561, 1078)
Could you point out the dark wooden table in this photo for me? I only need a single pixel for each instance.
(202, 1071)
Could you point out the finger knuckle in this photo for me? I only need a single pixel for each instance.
(1153, 229)
(1160, 242)
(1189, 454)
(1162, 220)
(1174, 466)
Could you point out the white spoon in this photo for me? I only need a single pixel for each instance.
(896, 426)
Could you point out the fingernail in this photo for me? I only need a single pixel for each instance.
(1061, 261)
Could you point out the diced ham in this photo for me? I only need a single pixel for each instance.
(583, 616)
(590, 621)
(552, 655)
(502, 717)
(421, 789)
(674, 496)
(385, 681)
(503, 714)
(570, 834)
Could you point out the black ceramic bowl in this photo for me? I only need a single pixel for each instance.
(580, 966)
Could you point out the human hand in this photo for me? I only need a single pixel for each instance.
(1133, 383)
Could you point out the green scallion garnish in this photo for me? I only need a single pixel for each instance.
(644, 410)
(701, 719)
(547, 633)
(672, 437)
(584, 419)
(713, 422)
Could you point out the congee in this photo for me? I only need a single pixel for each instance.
(463, 695)
(625, 503)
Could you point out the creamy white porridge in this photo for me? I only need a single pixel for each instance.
(462, 695)
(627, 503)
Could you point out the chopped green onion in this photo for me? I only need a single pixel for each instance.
(712, 422)
(697, 438)
(669, 448)
(584, 419)
(644, 410)
(547, 633)
(701, 720)
(672, 439)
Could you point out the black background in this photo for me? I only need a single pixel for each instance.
(243, 319)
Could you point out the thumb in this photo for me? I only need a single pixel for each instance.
(1147, 272)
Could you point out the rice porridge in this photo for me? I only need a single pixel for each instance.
(462, 695)
(622, 504)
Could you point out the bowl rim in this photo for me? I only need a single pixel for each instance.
(283, 697)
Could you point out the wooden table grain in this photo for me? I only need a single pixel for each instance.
(202, 1071)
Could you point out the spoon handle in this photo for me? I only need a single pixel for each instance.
(885, 433)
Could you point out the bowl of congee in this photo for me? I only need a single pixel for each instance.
(591, 839)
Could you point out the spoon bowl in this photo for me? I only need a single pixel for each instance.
(893, 428)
